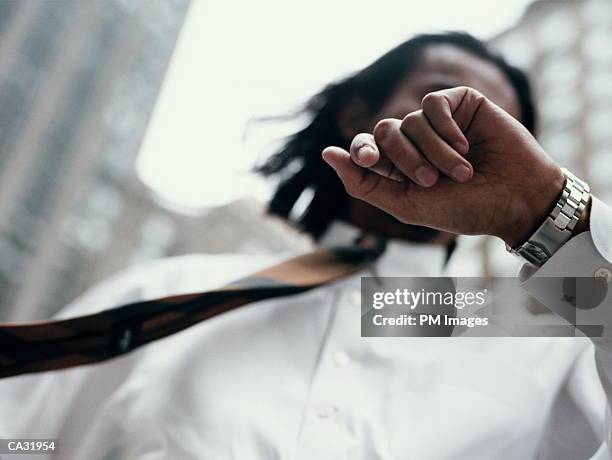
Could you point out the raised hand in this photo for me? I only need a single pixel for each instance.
(461, 164)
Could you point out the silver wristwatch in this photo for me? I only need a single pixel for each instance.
(558, 227)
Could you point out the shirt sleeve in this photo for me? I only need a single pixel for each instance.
(587, 256)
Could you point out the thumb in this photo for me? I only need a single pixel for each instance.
(400, 199)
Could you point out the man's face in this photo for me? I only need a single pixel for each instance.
(440, 67)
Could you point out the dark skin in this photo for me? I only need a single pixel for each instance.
(462, 163)
(440, 67)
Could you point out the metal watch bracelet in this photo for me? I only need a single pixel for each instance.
(558, 227)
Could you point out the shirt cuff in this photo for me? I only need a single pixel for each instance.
(583, 254)
(587, 255)
(601, 228)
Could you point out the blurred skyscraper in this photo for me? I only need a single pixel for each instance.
(566, 46)
(78, 81)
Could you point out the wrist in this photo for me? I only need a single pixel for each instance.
(533, 209)
(561, 223)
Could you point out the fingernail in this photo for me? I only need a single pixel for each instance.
(460, 147)
(426, 175)
(365, 153)
(461, 173)
(328, 158)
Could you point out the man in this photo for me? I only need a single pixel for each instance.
(292, 378)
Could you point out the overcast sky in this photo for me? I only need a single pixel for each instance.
(239, 60)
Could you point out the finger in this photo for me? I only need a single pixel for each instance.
(437, 109)
(361, 183)
(441, 155)
(403, 153)
(464, 103)
(366, 153)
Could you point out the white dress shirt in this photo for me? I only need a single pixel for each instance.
(292, 378)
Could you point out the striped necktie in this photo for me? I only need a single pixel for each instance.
(58, 344)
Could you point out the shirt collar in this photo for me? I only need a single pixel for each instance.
(401, 257)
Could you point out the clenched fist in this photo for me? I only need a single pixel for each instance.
(461, 164)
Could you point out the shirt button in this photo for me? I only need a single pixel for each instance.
(341, 359)
(324, 412)
(356, 298)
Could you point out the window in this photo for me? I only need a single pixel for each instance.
(598, 87)
(596, 12)
(564, 108)
(598, 124)
(564, 146)
(596, 46)
(600, 167)
(548, 34)
(560, 71)
(7, 9)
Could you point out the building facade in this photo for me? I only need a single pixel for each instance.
(78, 81)
(566, 47)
